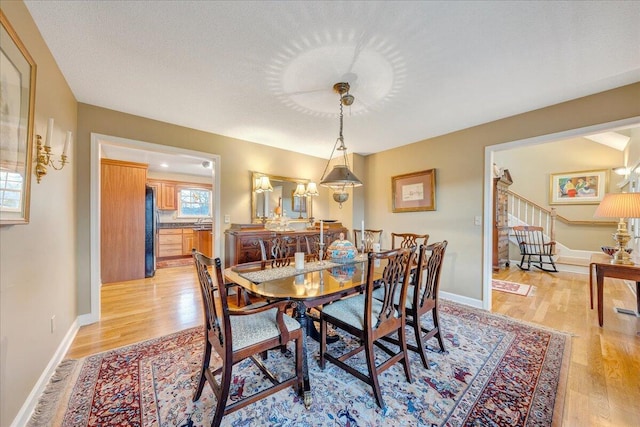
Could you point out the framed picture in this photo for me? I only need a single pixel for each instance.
(298, 204)
(578, 188)
(414, 191)
(17, 98)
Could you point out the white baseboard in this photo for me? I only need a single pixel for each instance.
(30, 403)
(476, 303)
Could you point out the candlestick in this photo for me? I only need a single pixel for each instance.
(67, 144)
(49, 137)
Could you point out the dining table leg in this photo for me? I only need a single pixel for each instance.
(301, 316)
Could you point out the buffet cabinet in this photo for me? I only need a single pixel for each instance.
(501, 220)
(242, 240)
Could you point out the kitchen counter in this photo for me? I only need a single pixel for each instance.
(195, 226)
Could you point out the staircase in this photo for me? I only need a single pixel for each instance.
(525, 212)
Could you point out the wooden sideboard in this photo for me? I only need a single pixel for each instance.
(242, 240)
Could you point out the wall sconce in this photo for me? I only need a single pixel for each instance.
(43, 158)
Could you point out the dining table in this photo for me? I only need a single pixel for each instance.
(316, 284)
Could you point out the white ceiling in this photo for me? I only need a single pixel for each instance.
(264, 71)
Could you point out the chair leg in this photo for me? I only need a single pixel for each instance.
(436, 325)
(417, 330)
(206, 357)
(225, 384)
(373, 372)
(323, 341)
(402, 335)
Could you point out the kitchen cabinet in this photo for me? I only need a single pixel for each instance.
(188, 241)
(122, 220)
(204, 241)
(169, 242)
(175, 242)
(165, 194)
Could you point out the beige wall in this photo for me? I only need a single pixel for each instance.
(37, 272)
(531, 167)
(459, 161)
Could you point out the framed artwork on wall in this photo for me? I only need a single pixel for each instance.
(578, 188)
(17, 98)
(414, 192)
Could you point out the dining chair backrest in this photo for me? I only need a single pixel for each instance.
(370, 237)
(395, 279)
(277, 251)
(408, 240)
(312, 245)
(429, 268)
(216, 307)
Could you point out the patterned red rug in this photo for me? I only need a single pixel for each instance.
(510, 287)
(495, 372)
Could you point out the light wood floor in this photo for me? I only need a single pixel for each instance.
(604, 376)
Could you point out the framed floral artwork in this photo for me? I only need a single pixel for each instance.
(578, 188)
(17, 98)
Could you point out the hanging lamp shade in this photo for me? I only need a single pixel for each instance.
(340, 177)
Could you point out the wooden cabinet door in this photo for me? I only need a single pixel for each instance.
(188, 241)
(168, 198)
(122, 220)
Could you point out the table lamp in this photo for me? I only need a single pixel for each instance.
(620, 205)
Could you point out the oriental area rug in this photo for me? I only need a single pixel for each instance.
(495, 372)
(510, 287)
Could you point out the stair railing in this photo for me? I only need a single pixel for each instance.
(525, 212)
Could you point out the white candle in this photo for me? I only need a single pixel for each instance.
(67, 144)
(47, 141)
(321, 232)
(362, 230)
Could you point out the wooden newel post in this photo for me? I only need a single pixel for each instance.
(552, 231)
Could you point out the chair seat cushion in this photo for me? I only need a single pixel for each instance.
(351, 310)
(254, 328)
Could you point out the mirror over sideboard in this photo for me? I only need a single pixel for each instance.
(279, 200)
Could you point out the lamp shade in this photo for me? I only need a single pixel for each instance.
(619, 205)
(300, 191)
(312, 189)
(340, 177)
(263, 184)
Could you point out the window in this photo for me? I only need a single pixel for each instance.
(194, 202)
(10, 191)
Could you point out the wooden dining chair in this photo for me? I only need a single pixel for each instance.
(422, 298)
(408, 240)
(370, 237)
(369, 319)
(278, 251)
(240, 334)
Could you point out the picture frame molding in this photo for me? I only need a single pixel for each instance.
(16, 52)
(412, 201)
(554, 187)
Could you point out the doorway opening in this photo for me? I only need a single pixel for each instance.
(144, 152)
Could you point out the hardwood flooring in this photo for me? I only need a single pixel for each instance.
(604, 377)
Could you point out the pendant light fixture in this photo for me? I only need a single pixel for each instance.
(341, 176)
